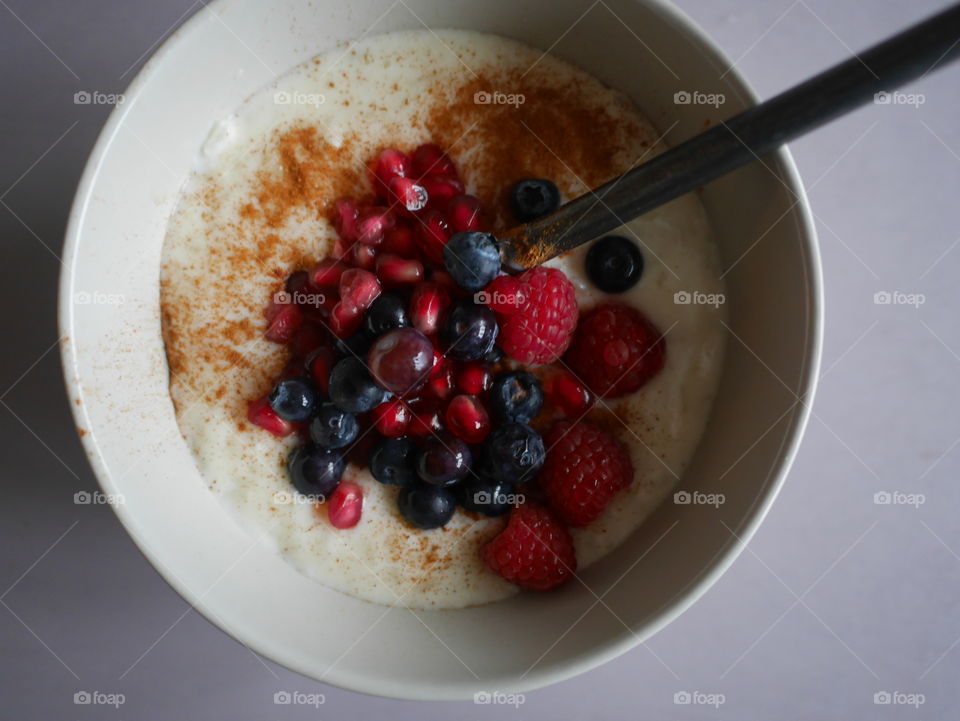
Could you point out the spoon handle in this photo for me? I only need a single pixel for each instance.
(735, 142)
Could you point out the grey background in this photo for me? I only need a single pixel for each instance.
(836, 599)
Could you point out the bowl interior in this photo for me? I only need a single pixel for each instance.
(116, 369)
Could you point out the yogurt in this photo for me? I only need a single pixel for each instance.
(253, 211)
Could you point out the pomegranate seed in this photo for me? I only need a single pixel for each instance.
(433, 234)
(568, 394)
(359, 288)
(341, 247)
(297, 282)
(261, 414)
(438, 363)
(283, 320)
(345, 214)
(411, 195)
(345, 319)
(468, 419)
(307, 339)
(446, 281)
(474, 378)
(394, 270)
(464, 213)
(441, 188)
(372, 224)
(327, 272)
(319, 365)
(391, 418)
(400, 241)
(363, 257)
(345, 505)
(424, 424)
(429, 159)
(292, 369)
(428, 304)
(440, 387)
(390, 163)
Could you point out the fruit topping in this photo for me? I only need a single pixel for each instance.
(614, 264)
(533, 198)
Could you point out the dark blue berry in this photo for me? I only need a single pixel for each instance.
(354, 346)
(393, 462)
(333, 428)
(386, 313)
(294, 399)
(470, 330)
(614, 264)
(444, 461)
(486, 496)
(426, 506)
(495, 355)
(533, 198)
(315, 471)
(473, 259)
(514, 452)
(352, 388)
(516, 396)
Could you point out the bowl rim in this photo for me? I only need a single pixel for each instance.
(781, 160)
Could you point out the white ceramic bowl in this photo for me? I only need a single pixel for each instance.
(117, 376)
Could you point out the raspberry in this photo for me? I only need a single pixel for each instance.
(585, 468)
(537, 313)
(534, 551)
(616, 350)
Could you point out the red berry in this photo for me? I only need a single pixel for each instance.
(283, 321)
(345, 215)
(372, 224)
(464, 213)
(474, 378)
(568, 394)
(363, 257)
(261, 414)
(424, 424)
(616, 350)
(345, 319)
(468, 419)
(345, 505)
(428, 304)
(537, 314)
(359, 288)
(584, 469)
(441, 188)
(433, 232)
(534, 551)
(408, 193)
(390, 163)
(393, 270)
(327, 272)
(400, 240)
(429, 159)
(440, 386)
(391, 418)
(319, 365)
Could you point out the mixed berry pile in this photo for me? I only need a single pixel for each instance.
(412, 354)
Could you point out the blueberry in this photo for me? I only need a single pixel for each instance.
(514, 452)
(294, 399)
(426, 506)
(333, 428)
(354, 346)
(315, 471)
(393, 462)
(516, 396)
(486, 496)
(352, 388)
(473, 259)
(444, 461)
(533, 198)
(495, 355)
(470, 330)
(387, 312)
(614, 264)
